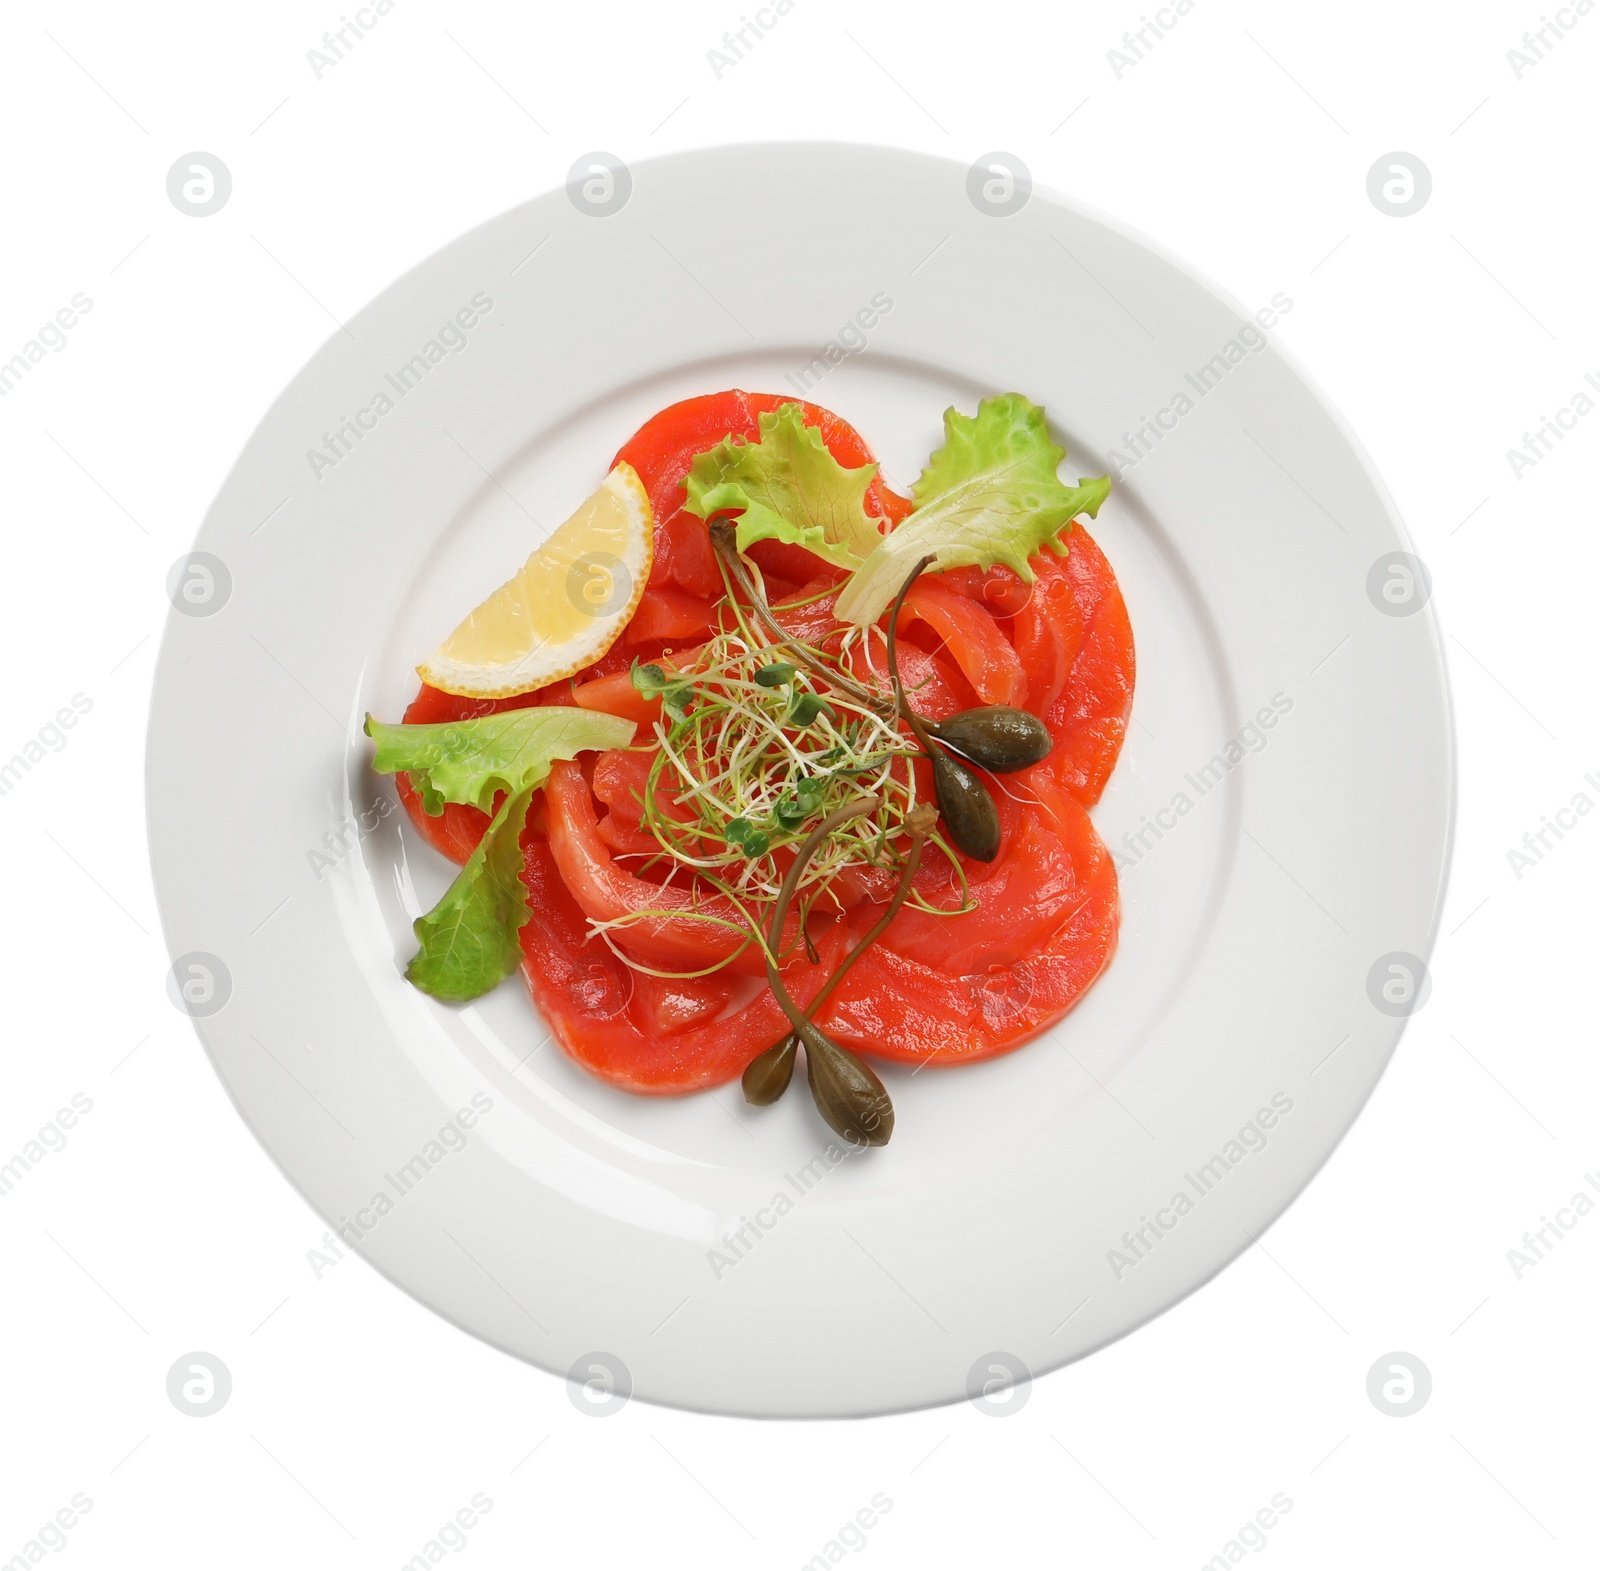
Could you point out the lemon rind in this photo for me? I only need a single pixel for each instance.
(528, 675)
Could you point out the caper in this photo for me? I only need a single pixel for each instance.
(995, 737)
(767, 1076)
(849, 1096)
(969, 811)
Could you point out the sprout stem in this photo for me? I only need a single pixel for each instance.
(918, 825)
(723, 540)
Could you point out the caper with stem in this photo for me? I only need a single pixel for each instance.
(767, 1076)
(850, 1097)
(969, 811)
(996, 737)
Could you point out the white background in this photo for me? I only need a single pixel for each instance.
(358, 1422)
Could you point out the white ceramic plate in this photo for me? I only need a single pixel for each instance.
(1280, 894)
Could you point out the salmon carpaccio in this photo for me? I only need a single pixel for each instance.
(933, 989)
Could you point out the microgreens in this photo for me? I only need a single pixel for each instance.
(651, 681)
(750, 756)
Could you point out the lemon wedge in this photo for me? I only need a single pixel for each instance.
(566, 607)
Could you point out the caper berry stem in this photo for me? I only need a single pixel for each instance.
(766, 1077)
(848, 1094)
(907, 713)
(969, 810)
(791, 881)
(919, 825)
(724, 541)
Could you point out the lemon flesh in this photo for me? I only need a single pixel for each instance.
(564, 609)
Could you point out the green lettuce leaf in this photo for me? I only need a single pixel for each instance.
(471, 760)
(988, 497)
(791, 489)
(469, 940)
